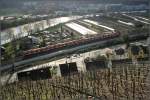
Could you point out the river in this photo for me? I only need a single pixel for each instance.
(23, 30)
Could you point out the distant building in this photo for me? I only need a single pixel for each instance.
(2, 18)
(138, 50)
(30, 42)
(38, 74)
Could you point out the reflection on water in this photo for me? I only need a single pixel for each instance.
(23, 30)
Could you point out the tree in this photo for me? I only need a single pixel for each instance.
(134, 52)
(11, 49)
(54, 70)
(43, 42)
(126, 40)
(148, 42)
(101, 57)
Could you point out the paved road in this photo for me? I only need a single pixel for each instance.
(51, 55)
(78, 59)
(9, 78)
(23, 30)
(66, 51)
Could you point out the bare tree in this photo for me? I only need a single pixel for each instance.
(11, 49)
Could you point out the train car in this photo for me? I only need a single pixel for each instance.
(56, 47)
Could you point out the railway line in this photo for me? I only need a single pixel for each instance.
(52, 48)
(40, 56)
(26, 62)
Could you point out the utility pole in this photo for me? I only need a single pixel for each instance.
(0, 57)
(148, 42)
(0, 66)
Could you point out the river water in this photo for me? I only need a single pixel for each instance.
(23, 30)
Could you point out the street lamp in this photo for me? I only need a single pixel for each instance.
(148, 42)
(149, 39)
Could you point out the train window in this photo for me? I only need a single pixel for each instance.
(34, 51)
(47, 48)
(71, 42)
(42, 50)
(38, 50)
(76, 42)
(52, 46)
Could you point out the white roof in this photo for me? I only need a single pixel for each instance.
(95, 23)
(143, 18)
(126, 23)
(134, 18)
(81, 29)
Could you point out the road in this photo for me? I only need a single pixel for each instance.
(23, 30)
(65, 51)
(51, 55)
(79, 59)
(9, 78)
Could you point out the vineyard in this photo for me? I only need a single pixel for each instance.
(122, 82)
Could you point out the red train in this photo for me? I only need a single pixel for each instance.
(56, 47)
